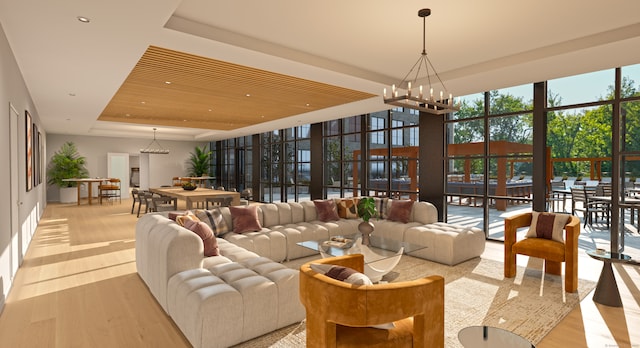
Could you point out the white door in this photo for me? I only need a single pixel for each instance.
(118, 167)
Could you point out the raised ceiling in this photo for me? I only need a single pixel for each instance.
(79, 74)
(177, 89)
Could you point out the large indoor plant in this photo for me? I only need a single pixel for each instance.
(366, 211)
(200, 162)
(66, 163)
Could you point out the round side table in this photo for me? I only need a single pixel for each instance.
(488, 336)
(607, 288)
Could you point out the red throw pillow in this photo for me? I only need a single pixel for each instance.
(245, 219)
(400, 210)
(206, 234)
(327, 210)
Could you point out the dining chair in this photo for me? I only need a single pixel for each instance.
(218, 202)
(110, 190)
(555, 196)
(163, 203)
(588, 206)
(144, 198)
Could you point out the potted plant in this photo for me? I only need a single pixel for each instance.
(66, 163)
(366, 210)
(200, 162)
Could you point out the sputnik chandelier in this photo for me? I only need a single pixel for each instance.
(159, 151)
(423, 100)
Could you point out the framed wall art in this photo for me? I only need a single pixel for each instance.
(29, 147)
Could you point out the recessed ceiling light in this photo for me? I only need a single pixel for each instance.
(308, 104)
(247, 95)
(84, 19)
(127, 115)
(168, 82)
(210, 110)
(143, 102)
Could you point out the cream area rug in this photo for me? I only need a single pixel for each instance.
(476, 293)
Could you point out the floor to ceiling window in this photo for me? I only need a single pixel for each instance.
(489, 156)
(342, 145)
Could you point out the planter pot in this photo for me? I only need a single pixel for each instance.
(366, 228)
(68, 195)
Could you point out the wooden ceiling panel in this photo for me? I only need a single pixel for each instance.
(211, 94)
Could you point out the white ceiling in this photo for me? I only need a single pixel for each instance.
(358, 44)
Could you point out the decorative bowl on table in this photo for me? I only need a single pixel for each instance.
(189, 186)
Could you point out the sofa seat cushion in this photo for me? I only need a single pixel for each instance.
(340, 227)
(391, 229)
(541, 248)
(446, 243)
(296, 233)
(259, 294)
(268, 243)
(202, 305)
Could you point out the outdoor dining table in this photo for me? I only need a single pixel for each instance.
(632, 203)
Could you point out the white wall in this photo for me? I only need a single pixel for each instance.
(14, 241)
(162, 168)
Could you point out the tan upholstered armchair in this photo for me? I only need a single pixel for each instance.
(554, 253)
(338, 312)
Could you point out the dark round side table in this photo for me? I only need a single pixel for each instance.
(488, 336)
(607, 288)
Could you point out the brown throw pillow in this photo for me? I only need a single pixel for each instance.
(245, 219)
(206, 234)
(348, 208)
(400, 210)
(327, 210)
(548, 226)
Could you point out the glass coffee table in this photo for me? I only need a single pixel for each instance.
(380, 256)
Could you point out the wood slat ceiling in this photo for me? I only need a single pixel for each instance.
(206, 93)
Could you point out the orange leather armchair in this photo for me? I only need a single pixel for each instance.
(338, 313)
(554, 253)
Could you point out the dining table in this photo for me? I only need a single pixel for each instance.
(632, 203)
(200, 194)
(89, 182)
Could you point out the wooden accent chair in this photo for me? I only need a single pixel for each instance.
(110, 189)
(554, 253)
(339, 313)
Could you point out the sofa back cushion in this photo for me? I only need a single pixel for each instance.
(310, 212)
(284, 213)
(424, 213)
(270, 215)
(297, 212)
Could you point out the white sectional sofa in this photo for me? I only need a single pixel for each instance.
(245, 292)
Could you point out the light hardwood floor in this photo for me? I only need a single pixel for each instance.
(78, 287)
